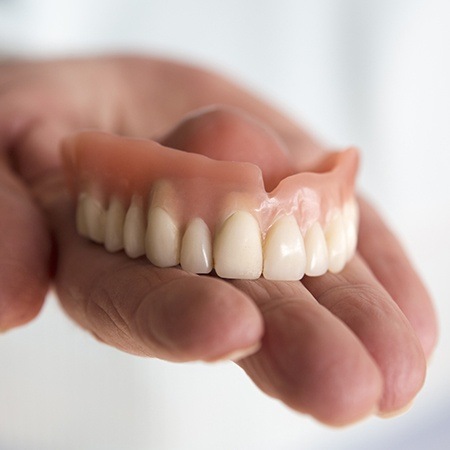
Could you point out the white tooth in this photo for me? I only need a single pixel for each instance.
(81, 215)
(238, 249)
(196, 250)
(316, 251)
(115, 217)
(336, 243)
(95, 215)
(134, 229)
(162, 240)
(351, 234)
(351, 220)
(351, 210)
(284, 251)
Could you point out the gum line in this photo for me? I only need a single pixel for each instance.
(237, 249)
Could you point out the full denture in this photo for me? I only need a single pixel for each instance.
(185, 208)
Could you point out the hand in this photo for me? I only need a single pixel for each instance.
(338, 347)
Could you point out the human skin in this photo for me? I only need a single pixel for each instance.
(337, 347)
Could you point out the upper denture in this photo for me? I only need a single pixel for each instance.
(144, 197)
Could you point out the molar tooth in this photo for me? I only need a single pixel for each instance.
(134, 229)
(114, 229)
(336, 243)
(237, 248)
(81, 215)
(196, 249)
(162, 240)
(284, 251)
(94, 215)
(316, 251)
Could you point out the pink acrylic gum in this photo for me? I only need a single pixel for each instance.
(190, 185)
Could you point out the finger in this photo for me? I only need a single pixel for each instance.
(389, 263)
(309, 359)
(229, 134)
(356, 298)
(24, 251)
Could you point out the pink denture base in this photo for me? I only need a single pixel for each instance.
(190, 185)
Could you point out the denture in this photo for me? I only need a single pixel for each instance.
(182, 208)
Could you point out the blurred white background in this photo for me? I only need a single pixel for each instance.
(373, 73)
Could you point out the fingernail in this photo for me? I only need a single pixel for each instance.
(396, 413)
(242, 353)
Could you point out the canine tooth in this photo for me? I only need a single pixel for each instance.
(134, 229)
(114, 229)
(284, 251)
(94, 214)
(162, 240)
(316, 251)
(237, 247)
(196, 249)
(336, 243)
(351, 219)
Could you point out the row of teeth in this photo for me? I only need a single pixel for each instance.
(238, 249)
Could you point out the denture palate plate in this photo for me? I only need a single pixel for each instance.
(185, 208)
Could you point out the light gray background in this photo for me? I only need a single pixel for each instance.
(371, 73)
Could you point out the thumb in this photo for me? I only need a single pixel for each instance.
(25, 249)
(229, 134)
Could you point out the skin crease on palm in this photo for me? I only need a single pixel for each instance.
(338, 347)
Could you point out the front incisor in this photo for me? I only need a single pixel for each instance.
(284, 251)
(238, 248)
